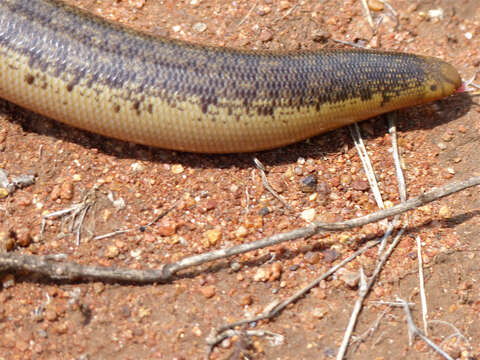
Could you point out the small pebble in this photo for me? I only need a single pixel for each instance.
(246, 300)
(177, 169)
(235, 266)
(375, 5)
(211, 237)
(264, 211)
(442, 146)
(350, 278)
(199, 27)
(312, 257)
(167, 227)
(241, 232)
(24, 238)
(308, 215)
(208, 291)
(111, 252)
(321, 36)
(360, 185)
(308, 184)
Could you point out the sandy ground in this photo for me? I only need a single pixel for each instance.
(41, 319)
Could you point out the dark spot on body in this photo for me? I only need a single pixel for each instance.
(72, 84)
(136, 107)
(29, 78)
(199, 119)
(229, 111)
(150, 109)
(265, 110)
(433, 87)
(204, 107)
(116, 108)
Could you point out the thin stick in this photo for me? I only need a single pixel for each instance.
(392, 129)
(367, 14)
(413, 331)
(73, 271)
(423, 298)
(367, 165)
(364, 292)
(278, 307)
(267, 185)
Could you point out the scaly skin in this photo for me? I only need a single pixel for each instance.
(83, 71)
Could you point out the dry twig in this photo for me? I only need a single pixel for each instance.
(72, 271)
(423, 297)
(413, 331)
(363, 292)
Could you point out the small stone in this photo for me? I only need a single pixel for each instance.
(350, 278)
(199, 27)
(330, 255)
(197, 331)
(241, 232)
(98, 287)
(8, 281)
(262, 274)
(7, 241)
(111, 252)
(235, 266)
(345, 179)
(445, 212)
(61, 328)
(375, 5)
(212, 237)
(276, 271)
(263, 10)
(24, 238)
(137, 167)
(177, 169)
(264, 211)
(320, 313)
(442, 146)
(167, 227)
(308, 215)
(321, 36)
(308, 184)
(360, 185)
(66, 190)
(246, 300)
(447, 137)
(284, 5)
(266, 36)
(55, 193)
(3, 193)
(208, 291)
(51, 314)
(77, 177)
(312, 257)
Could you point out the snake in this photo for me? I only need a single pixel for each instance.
(79, 69)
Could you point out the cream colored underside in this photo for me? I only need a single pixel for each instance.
(170, 127)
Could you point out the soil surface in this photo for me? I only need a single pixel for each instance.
(220, 202)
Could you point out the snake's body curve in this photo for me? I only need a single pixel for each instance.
(84, 71)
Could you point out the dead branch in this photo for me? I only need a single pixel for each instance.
(72, 271)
